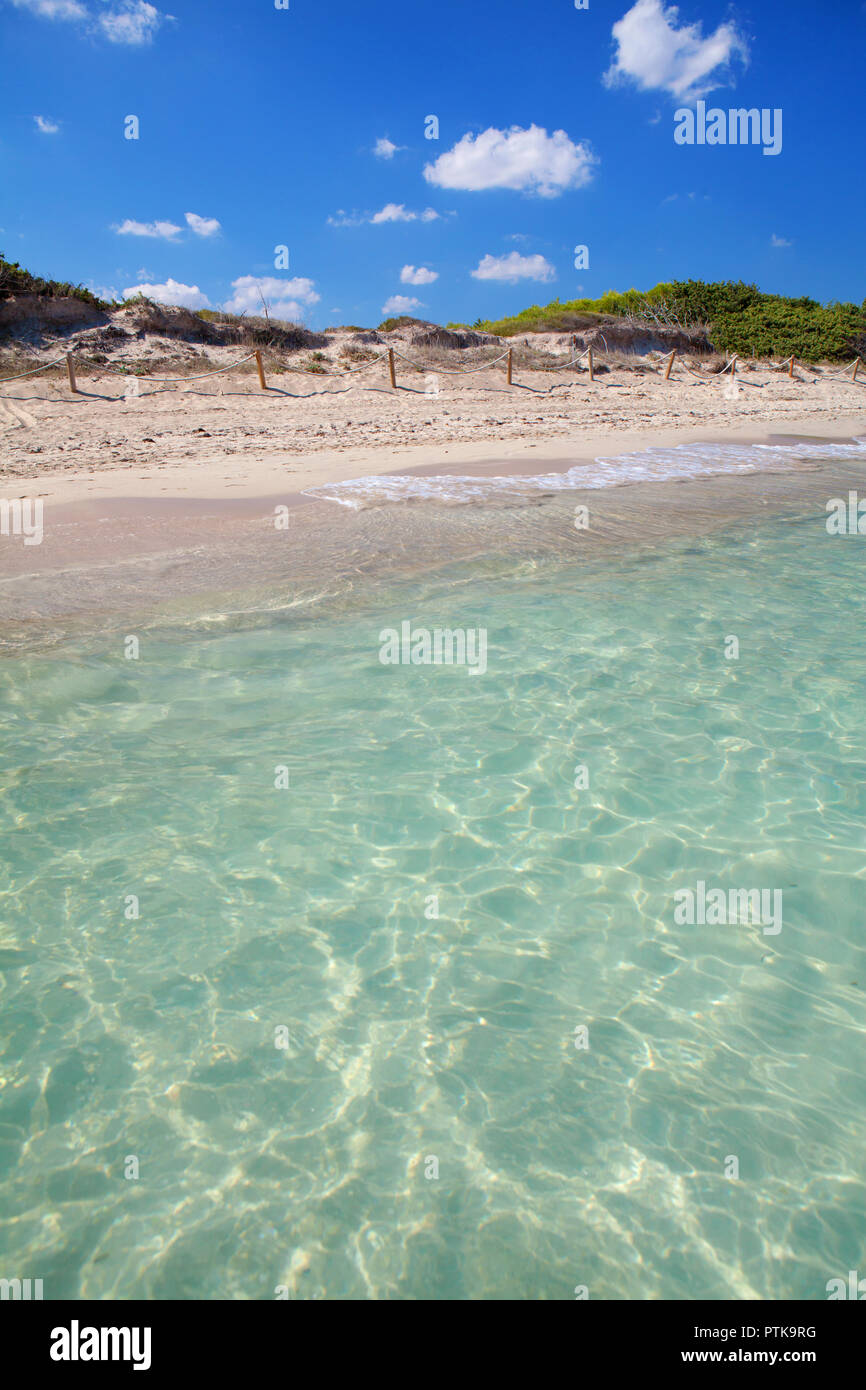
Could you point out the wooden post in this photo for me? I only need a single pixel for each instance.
(669, 367)
(791, 369)
(391, 370)
(70, 371)
(857, 365)
(262, 382)
(589, 360)
(734, 365)
(510, 356)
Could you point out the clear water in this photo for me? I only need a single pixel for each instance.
(414, 1037)
(660, 463)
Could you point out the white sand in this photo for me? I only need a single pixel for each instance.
(223, 438)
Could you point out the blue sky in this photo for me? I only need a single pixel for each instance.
(305, 128)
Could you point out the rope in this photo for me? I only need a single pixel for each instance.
(845, 371)
(471, 371)
(365, 366)
(561, 367)
(130, 376)
(33, 372)
(349, 371)
(445, 371)
(701, 376)
(825, 376)
(451, 371)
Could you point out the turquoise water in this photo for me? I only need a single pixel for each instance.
(413, 1037)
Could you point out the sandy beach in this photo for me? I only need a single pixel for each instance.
(431, 672)
(227, 439)
(174, 490)
(177, 473)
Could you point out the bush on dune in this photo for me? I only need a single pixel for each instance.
(740, 318)
(15, 280)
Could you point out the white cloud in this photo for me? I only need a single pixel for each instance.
(654, 54)
(167, 230)
(127, 21)
(342, 219)
(391, 212)
(286, 299)
(409, 275)
(525, 160)
(397, 212)
(779, 241)
(385, 148)
(53, 9)
(108, 292)
(132, 21)
(171, 292)
(514, 267)
(48, 127)
(400, 304)
(202, 226)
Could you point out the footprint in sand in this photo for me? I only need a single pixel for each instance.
(13, 416)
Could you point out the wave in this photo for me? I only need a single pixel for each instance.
(656, 464)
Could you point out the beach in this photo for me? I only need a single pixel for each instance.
(334, 910)
(225, 437)
(147, 497)
(432, 735)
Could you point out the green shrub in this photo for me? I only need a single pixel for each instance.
(402, 322)
(784, 329)
(15, 280)
(740, 318)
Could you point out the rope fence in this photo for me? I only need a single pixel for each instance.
(850, 372)
(44, 368)
(131, 376)
(452, 371)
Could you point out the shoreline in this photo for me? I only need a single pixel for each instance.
(178, 520)
(256, 481)
(177, 560)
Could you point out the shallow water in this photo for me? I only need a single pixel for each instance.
(413, 1037)
(675, 462)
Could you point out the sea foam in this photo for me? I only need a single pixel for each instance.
(646, 465)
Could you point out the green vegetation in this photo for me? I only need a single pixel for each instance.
(780, 327)
(736, 316)
(732, 315)
(403, 322)
(15, 280)
(572, 316)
